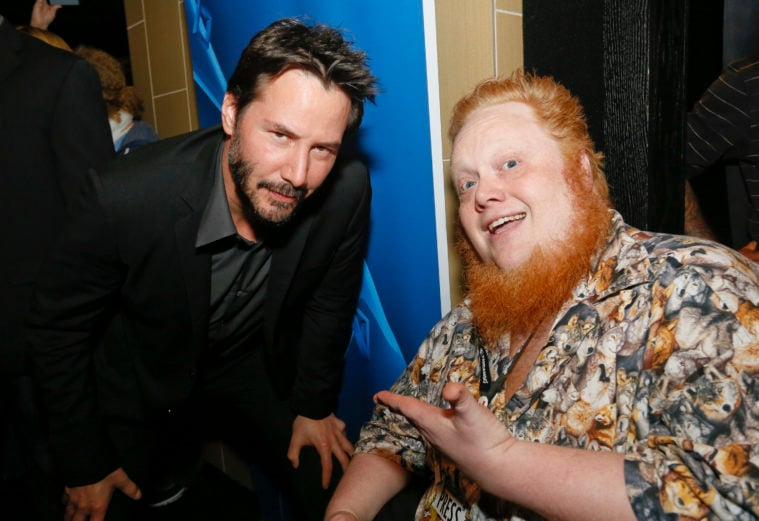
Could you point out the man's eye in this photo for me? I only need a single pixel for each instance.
(466, 185)
(323, 151)
(511, 163)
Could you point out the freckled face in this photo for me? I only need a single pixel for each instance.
(509, 175)
(283, 144)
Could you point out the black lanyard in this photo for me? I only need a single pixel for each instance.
(488, 388)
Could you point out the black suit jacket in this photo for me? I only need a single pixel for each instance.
(53, 127)
(129, 253)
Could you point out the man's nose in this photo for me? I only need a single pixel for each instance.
(488, 190)
(296, 171)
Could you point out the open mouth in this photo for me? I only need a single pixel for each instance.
(503, 221)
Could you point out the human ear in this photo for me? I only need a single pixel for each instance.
(229, 113)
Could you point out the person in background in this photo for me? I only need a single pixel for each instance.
(53, 128)
(46, 36)
(125, 107)
(594, 371)
(205, 288)
(723, 127)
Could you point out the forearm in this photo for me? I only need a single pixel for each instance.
(369, 483)
(559, 483)
(695, 224)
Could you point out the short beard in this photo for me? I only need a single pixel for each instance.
(240, 170)
(518, 300)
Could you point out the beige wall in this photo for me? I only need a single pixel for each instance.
(476, 39)
(161, 66)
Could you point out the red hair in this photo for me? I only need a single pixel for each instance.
(555, 108)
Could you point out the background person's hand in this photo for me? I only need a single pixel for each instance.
(43, 14)
(90, 502)
(327, 436)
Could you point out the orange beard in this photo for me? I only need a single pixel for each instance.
(517, 300)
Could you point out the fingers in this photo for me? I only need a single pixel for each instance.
(342, 448)
(76, 513)
(97, 516)
(408, 406)
(327, 436)
(340, 439)
(345, 445)
(293, 452)
(388, 399)
(325, 454)
(68, 513)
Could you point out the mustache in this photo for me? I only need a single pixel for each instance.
(285, 189)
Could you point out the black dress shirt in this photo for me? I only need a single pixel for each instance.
(239, 271)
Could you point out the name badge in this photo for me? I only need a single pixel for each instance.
(444, 507)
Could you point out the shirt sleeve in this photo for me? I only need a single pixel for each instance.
(391, 435)
(446, 355)
(719, 121)
(696, 424)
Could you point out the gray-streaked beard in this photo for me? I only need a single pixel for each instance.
(240, 170)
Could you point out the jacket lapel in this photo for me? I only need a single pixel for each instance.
(285, 259)
(196, 266)
(196, 270)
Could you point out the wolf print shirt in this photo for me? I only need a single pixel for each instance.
(656, 356)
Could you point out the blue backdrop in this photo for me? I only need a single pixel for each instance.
(400, 299)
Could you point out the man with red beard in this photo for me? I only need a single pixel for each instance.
(204, 289)
(594, 371)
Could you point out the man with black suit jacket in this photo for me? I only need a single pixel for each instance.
(53, 127)
(222, 270)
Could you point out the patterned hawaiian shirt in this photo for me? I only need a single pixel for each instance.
(656, 356)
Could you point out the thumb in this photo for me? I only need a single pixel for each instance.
(459, 398)
(128, 487)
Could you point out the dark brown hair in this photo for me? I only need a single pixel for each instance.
(318, 49)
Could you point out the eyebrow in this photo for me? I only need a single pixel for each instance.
(455, 166)
(278, 127)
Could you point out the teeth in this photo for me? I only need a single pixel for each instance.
(503, 220)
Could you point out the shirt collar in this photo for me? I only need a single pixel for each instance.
(216, 222)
